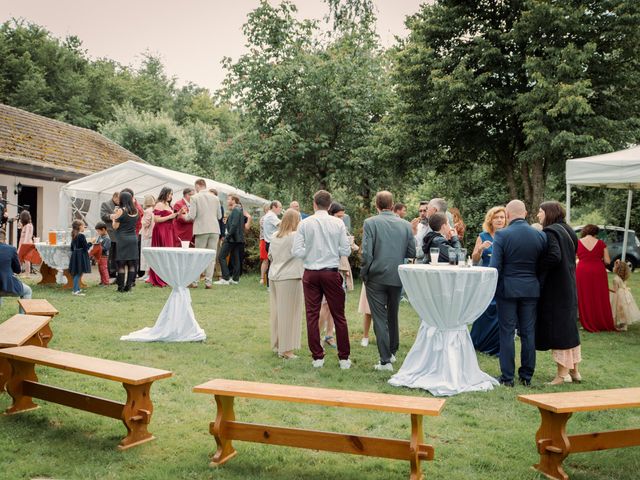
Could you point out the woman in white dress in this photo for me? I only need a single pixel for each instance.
(285, 288)
(623, 306)
(147, 231)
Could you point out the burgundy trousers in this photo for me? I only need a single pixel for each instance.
(315, 284)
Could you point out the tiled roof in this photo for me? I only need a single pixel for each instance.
(38, 141)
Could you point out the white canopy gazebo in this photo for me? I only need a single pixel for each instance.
(610, 170)
(84, 196)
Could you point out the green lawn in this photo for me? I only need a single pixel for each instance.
(478, 436)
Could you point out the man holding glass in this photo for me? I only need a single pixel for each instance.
(386, 242)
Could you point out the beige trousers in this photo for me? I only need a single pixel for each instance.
(287, 302)
(210, 241)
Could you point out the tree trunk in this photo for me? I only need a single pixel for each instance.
(538, 184)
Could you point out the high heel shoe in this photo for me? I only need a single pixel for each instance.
(575, 376)
(560, 380)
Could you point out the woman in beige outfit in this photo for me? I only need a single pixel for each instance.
(285, 288)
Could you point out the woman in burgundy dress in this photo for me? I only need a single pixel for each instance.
(593, 285)
(163, 234)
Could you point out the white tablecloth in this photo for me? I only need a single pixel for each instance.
(56, 256)
(178, 267)
(447, 298)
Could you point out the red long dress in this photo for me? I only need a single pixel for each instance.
(163, 235)
(593, 289)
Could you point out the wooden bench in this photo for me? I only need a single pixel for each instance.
(226, 428)
(552, 441)
(135, 413)
(37, 306)
(22, 330)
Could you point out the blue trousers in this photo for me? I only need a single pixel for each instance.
(76, 282)
(517, 313)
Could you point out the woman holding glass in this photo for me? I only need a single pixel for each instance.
(485, 332)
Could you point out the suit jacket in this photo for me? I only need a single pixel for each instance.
(106, 209)
(387, 241)
(9, 264)
(516, 250)
(235, 226)
(205, 213)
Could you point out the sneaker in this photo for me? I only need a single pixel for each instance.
(78, 293)
(392, 359)
(345, 364)
(318, 363)
(233, 282)
(364, 342)
(383, 367)
(222, 281)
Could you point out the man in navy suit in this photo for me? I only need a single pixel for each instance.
(516, 250)
(10, 285)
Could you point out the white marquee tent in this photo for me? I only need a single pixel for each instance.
(85, 195)
(610, 170)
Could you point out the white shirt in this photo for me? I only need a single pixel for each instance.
(320, 241)
(270, 224)
(422, 232)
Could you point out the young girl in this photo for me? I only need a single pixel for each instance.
(624, 308)
(79, 262)
(26, 235)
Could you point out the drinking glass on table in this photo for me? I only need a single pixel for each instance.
(453, 256)
(434, 254)
(462, 257)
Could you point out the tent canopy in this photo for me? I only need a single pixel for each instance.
(84, 196)
(612, 170)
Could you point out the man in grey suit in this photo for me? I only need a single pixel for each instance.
(205, 212)
(387, 241)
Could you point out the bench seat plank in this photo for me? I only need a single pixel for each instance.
(37, 306)
(584, 401)
(20, 328)
(323, 396)
(108, 369)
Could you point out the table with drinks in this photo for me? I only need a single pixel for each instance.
(56, 254)
(447, 297)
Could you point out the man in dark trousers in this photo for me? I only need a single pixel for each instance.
(106, 210)
(233, 243)
(387, 241)
(516, 250)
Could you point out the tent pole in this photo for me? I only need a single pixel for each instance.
(626, 225)
(568, 203)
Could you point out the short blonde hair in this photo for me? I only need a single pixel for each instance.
(289, 223)
(487, 226)
(149, 201)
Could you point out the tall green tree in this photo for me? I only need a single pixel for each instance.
(521, 84)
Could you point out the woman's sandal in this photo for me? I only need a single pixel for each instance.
(327, 341)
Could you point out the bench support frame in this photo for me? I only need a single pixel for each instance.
(225, 429)
(554, 445)
(136, 413)
(39, 339)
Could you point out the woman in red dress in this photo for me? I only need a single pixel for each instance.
(593, 285)
(163, 234)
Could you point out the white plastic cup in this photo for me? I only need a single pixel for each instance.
(185, 243)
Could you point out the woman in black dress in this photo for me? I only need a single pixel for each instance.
(124, 224)
(556, 325)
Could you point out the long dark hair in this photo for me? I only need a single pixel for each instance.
(75, 228)
(164, 195)
(554, 212)
(126, 203)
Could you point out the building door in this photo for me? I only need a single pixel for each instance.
(28, 198)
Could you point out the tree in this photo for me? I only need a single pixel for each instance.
(523, 85)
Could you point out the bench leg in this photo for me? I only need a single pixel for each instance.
(5, 373)
(553, 444)
(136, 415)
(45, 335)
(417, 438)
(224, 414)
(19, 372)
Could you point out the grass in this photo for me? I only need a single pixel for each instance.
(479, 435)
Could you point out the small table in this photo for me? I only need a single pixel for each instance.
(179, 267)
(56, 257)
(447, 298)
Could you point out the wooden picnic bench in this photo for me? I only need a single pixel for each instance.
(552, 441)
(22, 330)
(226, 428)
(135, 413)
(37, 306)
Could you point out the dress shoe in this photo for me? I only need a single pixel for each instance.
(524, 382)
(504, 382)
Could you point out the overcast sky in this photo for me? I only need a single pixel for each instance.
(191, 36)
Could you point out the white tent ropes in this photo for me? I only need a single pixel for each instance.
(610, 170)
(83, 197)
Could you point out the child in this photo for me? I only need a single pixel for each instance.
(625, 310)
(79, 262)
(26, 235)
(100, 251)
